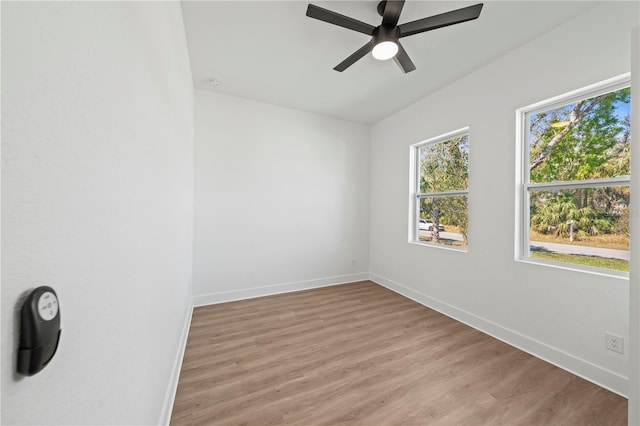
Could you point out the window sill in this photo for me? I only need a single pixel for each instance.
(583, 269)
(439, 246)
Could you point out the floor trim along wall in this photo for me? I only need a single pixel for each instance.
(167, 407)
(249, 293)
(598, 375)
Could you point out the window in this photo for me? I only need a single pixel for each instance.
(574, 172)
(439, 176)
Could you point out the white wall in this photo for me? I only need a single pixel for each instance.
(634, 273)
(97, 189)
(281, 199)
(557, 314)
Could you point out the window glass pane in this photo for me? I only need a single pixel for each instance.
(587, 139)
(444, 220)
(444, 166)
(585, 226)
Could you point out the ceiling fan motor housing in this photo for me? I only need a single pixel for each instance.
(386, 33)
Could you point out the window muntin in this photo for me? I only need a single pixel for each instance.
(440, 197)
(576, 179)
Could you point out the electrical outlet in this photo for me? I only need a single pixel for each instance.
(354, 263)
(613, 342)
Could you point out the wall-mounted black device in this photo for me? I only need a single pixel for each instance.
(39, 330)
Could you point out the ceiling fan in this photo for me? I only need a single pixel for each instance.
(385, 38)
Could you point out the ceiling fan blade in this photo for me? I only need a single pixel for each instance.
(339, 20)
(438, 21)
(403, 60)
(392, 11)
(355, 56)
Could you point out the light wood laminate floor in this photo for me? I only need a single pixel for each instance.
(363, 355)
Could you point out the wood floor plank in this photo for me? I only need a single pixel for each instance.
(359, 354)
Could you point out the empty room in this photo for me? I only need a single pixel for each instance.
(320, 213)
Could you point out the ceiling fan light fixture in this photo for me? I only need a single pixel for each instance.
(385, 50)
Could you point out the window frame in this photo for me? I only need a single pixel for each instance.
(524, 185)
(414, 188)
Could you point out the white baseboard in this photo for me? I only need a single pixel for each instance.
(167, 407)
(249, 293)
(582, 368)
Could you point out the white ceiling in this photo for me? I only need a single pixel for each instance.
(272, 52)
